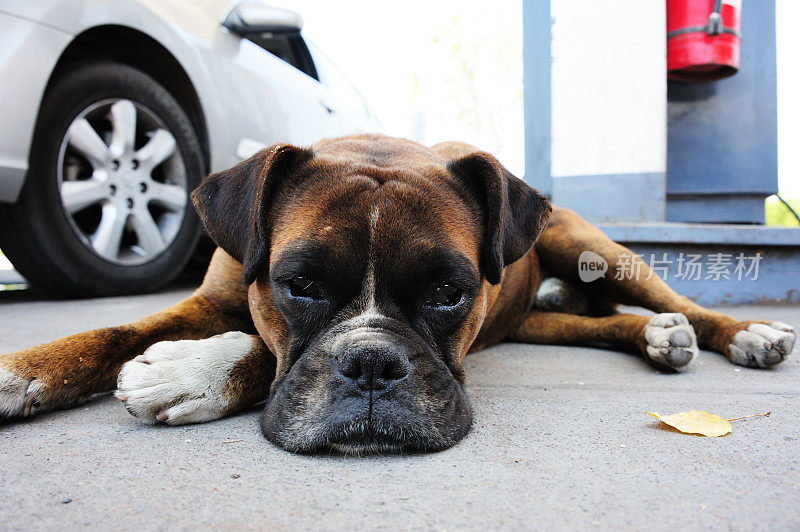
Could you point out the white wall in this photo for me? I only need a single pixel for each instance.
(609, 88)
(787, 12)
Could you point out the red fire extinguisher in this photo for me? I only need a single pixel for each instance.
(703, 39)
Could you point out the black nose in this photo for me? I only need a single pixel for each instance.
(373, 368)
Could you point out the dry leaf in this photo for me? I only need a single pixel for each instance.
(697, 422)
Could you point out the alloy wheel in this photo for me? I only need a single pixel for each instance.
(122, 181)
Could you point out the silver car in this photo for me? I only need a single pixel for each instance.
(113, 111)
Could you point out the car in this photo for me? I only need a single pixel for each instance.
(113, 111)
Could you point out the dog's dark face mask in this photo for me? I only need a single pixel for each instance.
(369, 278)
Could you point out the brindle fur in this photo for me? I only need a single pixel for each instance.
(423, 192)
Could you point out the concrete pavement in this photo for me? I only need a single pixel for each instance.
(559, 441)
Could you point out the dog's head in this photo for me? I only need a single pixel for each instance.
(371, 263)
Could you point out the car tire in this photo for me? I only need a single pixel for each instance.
(66, 249)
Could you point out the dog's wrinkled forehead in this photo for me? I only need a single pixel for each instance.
(346, 187)
(351, 218)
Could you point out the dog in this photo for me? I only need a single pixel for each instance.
(350, 281)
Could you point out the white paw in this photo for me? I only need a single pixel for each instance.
(671, 341)
(18, 397)
(182, 382)
(762, 345)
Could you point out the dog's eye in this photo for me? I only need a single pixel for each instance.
(302, 286)
(445, 295)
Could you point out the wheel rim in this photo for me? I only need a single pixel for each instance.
(122, 182)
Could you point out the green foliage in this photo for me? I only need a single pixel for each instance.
(778, 214)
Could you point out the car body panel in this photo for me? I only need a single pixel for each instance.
(19, 101)
(248, 96)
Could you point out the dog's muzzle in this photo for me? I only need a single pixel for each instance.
(367, 389)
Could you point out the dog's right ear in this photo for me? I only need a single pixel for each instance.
(235, 204)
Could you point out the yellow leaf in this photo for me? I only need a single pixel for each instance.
(697, 422)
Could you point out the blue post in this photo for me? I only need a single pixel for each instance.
(536, 78)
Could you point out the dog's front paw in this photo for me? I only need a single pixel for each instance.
(19, 397)
(762, 345)
(182, 382)
(671, 342)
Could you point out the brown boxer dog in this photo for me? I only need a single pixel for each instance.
(352, 279)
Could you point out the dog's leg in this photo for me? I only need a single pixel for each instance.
(747, 343)
(65, 372)
(193, 381)
(666, 340)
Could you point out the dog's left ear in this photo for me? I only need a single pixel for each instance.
(514, 213)
(235, 204)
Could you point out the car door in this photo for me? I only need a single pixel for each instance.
(316, 110)
(268, 90)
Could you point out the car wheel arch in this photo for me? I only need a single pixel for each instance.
(114, 42)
